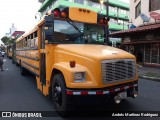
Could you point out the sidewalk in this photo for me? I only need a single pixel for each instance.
(149, 73)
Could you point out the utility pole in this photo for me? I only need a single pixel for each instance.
(107, 16)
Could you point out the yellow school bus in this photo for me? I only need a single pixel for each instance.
(9, 51)
(67, 54)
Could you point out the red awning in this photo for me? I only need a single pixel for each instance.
(134, 30)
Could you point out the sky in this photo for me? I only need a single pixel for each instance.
(21, 13)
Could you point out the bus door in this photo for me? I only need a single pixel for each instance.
(46, 31)
(42, 58)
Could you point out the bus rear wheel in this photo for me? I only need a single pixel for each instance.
(59, 95)
(23, 71)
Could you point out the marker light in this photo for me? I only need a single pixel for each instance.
(72, 64)
(84, 10)
(56, 12)
(63, 14)
(80, 9)
(88, 11)
(101, 21)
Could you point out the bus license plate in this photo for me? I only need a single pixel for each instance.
(123, 95)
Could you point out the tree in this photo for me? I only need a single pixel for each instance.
(7, 40)
(97, 1)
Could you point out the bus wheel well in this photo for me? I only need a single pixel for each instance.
(54, 72)
(20, 62)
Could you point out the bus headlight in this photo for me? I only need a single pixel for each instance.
(79, 76)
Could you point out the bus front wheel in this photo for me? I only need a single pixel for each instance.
(59, 95)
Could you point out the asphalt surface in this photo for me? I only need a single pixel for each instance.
(19, 93)
(149, 73)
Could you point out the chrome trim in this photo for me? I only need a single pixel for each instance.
(118, 70)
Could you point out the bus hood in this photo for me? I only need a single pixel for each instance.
(94, 52)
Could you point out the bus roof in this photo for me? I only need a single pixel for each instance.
(27, 33)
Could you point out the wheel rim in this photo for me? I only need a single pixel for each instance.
(58, 94)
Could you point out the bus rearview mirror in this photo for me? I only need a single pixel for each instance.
(48, 21)
(48, 28)
(49, 35)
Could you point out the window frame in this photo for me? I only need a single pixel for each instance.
(151, 8)
(137, 13)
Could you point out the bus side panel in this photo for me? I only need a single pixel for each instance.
(38, 79)
(49, 51)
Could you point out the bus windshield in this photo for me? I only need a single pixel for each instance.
(69, 32)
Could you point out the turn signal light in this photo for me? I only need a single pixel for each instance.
(63, 14)
(103, 19)
(57, 13)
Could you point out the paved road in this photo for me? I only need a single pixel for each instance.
(19, 93)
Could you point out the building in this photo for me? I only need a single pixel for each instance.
(17, 34)
(118, 11)
(143, 38)
(138, 7)
(11, 31)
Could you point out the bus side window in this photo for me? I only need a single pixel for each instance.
(17, 46)
(32, 43)
(36, 42)
(42, 38)
(23, 43)
(26, 42)
(32, 40)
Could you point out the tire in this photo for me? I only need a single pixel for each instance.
(23, 71)
(13, 61)
(17, 64)
(59, 95)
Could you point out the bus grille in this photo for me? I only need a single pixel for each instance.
(118, 70)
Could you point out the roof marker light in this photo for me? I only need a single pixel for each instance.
(80, 9)
(84, 10)
(88, 11)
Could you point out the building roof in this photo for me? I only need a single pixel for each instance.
(135, 30)
(18, 33)
(45, 4)
(118, 3)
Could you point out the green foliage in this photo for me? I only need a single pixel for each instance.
(97, 1)
(7, 40)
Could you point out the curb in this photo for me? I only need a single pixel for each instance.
(150, 78)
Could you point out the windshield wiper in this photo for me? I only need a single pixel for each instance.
(74, 25)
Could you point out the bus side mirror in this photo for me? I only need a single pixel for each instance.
(48, 29)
